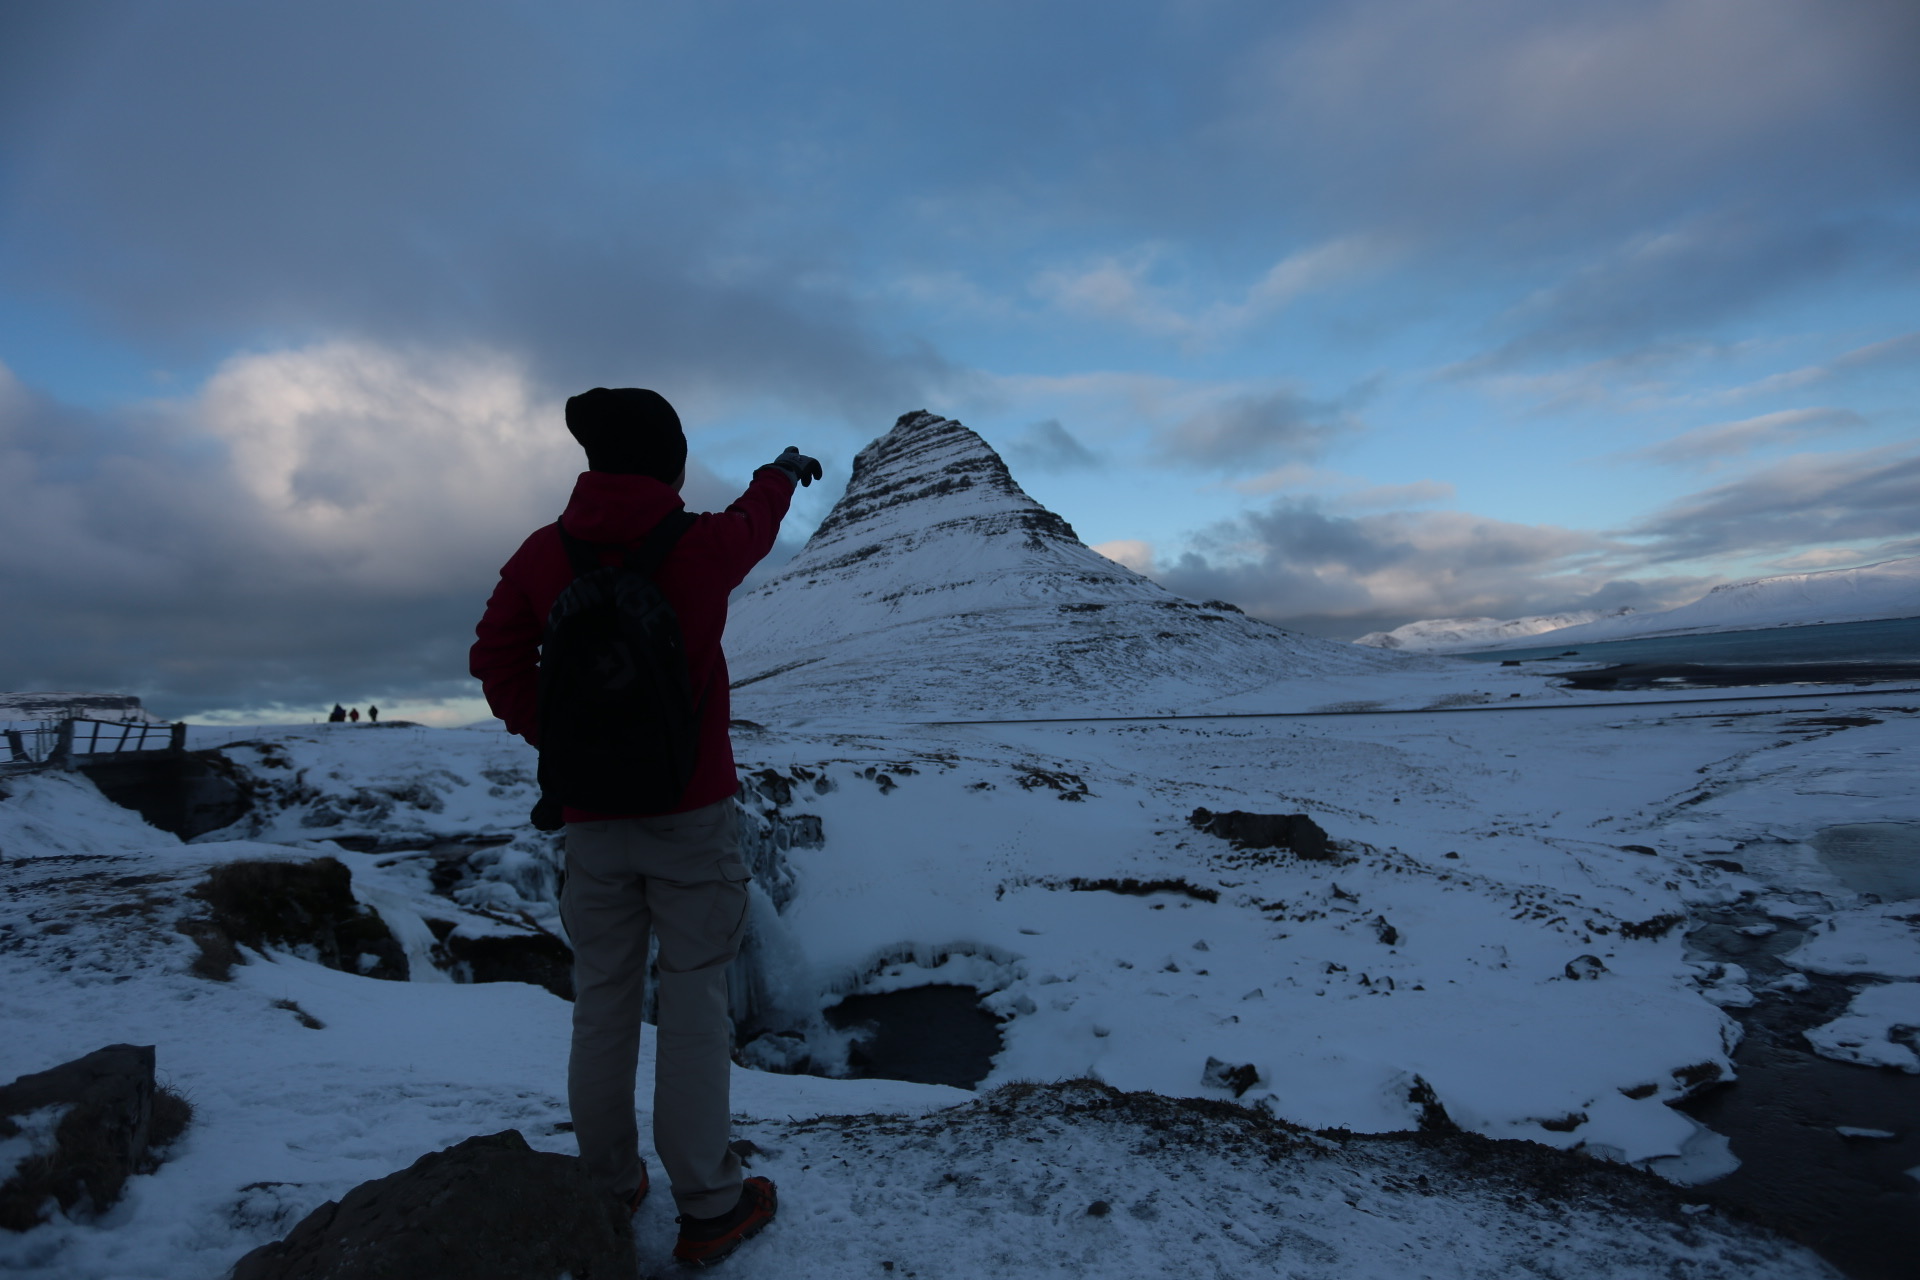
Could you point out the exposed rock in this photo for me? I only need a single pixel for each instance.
(1656, 927)
(188, 793)
(1219, 1075)
(490, 1208)
(1295, 831)
(1585, 968)
(88, 1123)
(1110, 884)
(529, 954)
(307, 907)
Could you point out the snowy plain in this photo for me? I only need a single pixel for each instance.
(943, 867)
(1497, 943)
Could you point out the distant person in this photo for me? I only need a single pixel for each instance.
(373, 714)
(650, 846)
(338, 715)
(354, 715)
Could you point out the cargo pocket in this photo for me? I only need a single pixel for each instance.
(727, 922)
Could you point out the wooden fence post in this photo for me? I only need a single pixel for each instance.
(63, 746)
(177, 737)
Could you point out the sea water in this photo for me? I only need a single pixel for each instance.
(1883, 640)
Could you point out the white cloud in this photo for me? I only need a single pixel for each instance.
(1244, 430)
(1114, 289)
(1382, 497)
(1131, 552)
(1895, 352)
(1290, 475)
(309, 522)
(389, 468)
(1120, 289)
(1718, 443)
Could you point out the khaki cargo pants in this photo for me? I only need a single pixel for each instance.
(680, 877)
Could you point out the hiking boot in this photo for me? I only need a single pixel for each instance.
(705, 1241)
(640, 1193)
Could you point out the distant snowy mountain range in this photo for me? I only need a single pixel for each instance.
(1889, 589)
(1452, 635)
(937, 586)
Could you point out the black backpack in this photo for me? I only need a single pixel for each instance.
(619, 728)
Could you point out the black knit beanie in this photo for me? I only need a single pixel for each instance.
(628, 431)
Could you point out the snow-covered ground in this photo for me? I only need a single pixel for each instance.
(1497, 943)
(1890, 589)
(1479, 856)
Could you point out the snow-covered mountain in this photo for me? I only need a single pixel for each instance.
(1889, 589)
(1460, 635)
(936, 585)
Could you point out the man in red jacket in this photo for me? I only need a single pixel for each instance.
(677, 874)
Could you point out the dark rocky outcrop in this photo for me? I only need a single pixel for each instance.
(1585, 968)
(526, 954)
(187, 793)
(489, 1208)
(113, 1116)
(1294, 831)
(1220, 1075)
(306, 906)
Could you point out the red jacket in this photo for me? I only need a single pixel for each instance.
(706, 564)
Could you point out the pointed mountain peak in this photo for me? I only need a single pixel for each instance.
(937, 584)
(932, 470)
(932, 522)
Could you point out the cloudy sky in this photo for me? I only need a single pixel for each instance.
(1353, 313)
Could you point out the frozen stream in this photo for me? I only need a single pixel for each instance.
(1881, 858)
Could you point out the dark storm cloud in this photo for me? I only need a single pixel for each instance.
(1868, 497)
(1300, 565)
(135, 556)
(421, 173)
(1674, 164)
(1048, 446)
(1248, 432)
(1536, 121)
(1669, 284)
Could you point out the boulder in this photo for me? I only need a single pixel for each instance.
(306, 906)
(1295, 831)
(1585, 968)
(85, 1126)
(526, 953)
(1220, 1075)
(489, 1208)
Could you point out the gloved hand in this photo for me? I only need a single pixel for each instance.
(546, 815)
(800, 469)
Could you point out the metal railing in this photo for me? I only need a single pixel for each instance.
(61, 744)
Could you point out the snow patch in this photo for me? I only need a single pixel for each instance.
(1879, 1029)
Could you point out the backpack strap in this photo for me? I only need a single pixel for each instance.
(646, 558)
